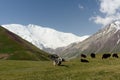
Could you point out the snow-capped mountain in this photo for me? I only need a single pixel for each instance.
(44, 37)
(105, 40)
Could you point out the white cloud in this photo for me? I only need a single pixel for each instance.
(109, 7)
(102, 20)
(80, 6)
(105, 20)
(111, 10)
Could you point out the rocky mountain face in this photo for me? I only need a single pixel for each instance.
(105, 40)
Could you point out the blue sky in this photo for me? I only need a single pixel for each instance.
(71, 16)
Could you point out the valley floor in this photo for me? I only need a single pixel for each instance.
(96, 69)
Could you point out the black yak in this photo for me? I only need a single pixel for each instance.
(105, 56)
(83, 56)
(84, 60)
(92, 55)
(115, 55)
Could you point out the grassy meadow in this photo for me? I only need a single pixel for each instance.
(96, 69)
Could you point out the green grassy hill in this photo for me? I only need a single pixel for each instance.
(14, 48)
(96, 69)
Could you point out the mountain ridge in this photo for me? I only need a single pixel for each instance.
(106, 40)
(44, 37)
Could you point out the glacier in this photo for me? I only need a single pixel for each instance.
(44, 37)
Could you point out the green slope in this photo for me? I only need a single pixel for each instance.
(14, 48)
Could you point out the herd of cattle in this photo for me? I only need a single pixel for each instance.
(93, 55)
(58, 60)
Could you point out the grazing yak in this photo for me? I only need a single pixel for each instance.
(56, 59)
(92, 55)
(115, 55)
(84, 60)
(105, 56)
(83, 56)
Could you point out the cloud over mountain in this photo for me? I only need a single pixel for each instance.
(110, 10)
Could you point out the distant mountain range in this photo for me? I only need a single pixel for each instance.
(44, 38)
(15, 48)
(104, 41)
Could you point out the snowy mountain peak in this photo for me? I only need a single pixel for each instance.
(44, 37)
(115, 25)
